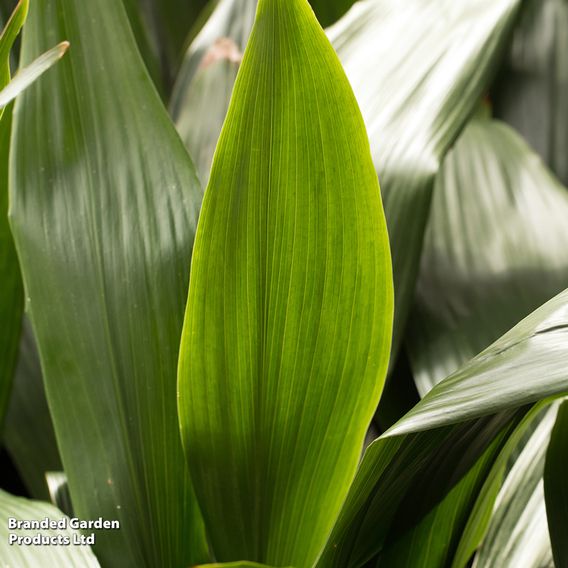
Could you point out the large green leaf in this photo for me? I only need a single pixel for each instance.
(28, 432)
(57, 554)
(525, 365)
(104, 203)
(431, 519)
(531, 89)
(496, 248)
(11, 291)
(205, 82)
(517, 535)
(555, 488)
(418, 68)
(391, 480)
(240, 564)
(288, 324)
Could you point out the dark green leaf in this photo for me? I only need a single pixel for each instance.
(329, 11)
(28, 432)
(496, 248)
(11, 291)
(287, 330)
(555, 487)
(434, 513)
(104, 203)
(422, 468)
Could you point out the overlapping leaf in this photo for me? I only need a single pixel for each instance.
(287, 330)
(205, 82)
(104, 202)
(391, 481)
(525, 365)
(418, 69)
(518, 534)
(531, 89)
(32, 556)
(496, 248)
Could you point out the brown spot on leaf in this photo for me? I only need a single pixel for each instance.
(223, 49)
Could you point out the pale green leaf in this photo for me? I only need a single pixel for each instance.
(288, 324)
(418, 68)
(517, 536)
(525, 365)
(531, 89)
(27, 75)
(555, 488)
(104, 204)
(496, 248)
(55, 555)
(205, 82)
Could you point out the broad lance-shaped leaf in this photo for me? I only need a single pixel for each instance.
(104, 203)
(205, 82)
(531, 89)
(496, 248)
(289, 317)
(518, 532)
(555, 489)
(525, 365)
(59, 552)
(418, 68)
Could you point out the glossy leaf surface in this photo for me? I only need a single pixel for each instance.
(418, 68)
(104, 203)
(204, 85)
(288, 324)
(517, 535)
(496, 248)
(392, 476)
(32, 556)
(531, 89)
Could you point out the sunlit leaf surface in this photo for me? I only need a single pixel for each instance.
(288, 324)
(104, 204)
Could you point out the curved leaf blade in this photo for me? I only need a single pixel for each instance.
(517, 535)
(496, 248)
(418, 69)
(288, 323)
(26, 76)
(26, 556)
(104, 203)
